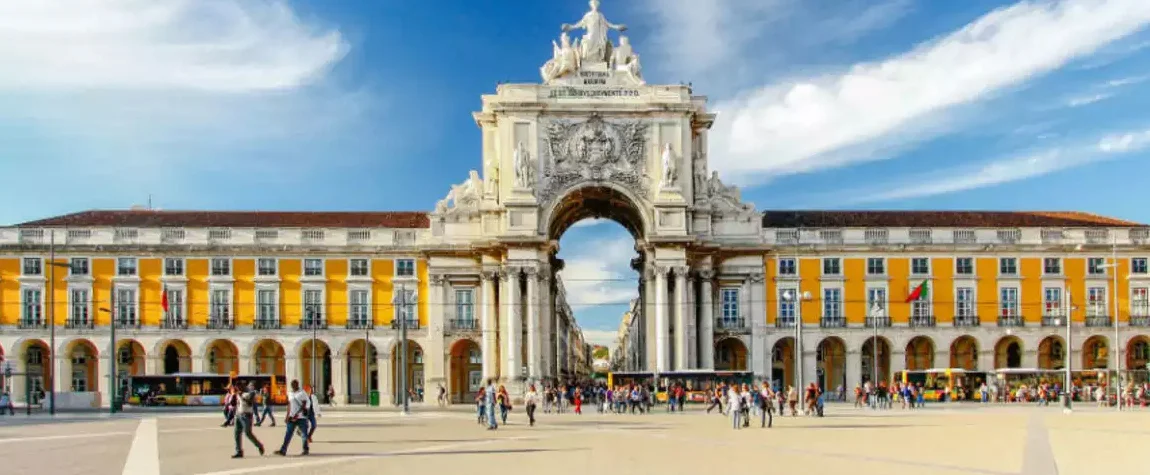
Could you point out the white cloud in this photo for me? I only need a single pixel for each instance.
(1126, 81)
(1008, 170)
(599, 274)
(1079, 101)
(606, 338)
(212, 45)
(587, 223)
(834, 120)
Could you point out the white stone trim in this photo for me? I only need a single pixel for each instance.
(304, 277)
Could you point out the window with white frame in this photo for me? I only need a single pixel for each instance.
(79, 308)
(33, 266)
(964, 304)
(920, 266)
(832, 305)
(33, 306)
(312, 306)
(875, 266)
(1096, 302)
(1096, 266)
(920, 309)
(126, 267)
(221, 306)
(876, 302)
(406, 310)
(787, 306)
(1140, 302)
(1138, 265)
(832, 266)
(126, 307)
(358, 268)
(173, 266)
(465, 306)
(1051, 266)
(1008, 302)
(267, 267)
(313, 267)
(176, 305)
(267, 311)
(729, 300)
(405, 267)
(360, 307)
(79, 266)
(1052, 302)
(1008, 266)
(221, 267)
(964, 266)
(474, 357)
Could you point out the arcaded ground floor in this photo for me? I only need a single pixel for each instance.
(941, 439)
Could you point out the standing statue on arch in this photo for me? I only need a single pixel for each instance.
(595, 45)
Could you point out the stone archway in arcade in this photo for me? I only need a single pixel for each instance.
(222, 357)
(82, 367)
(132, 359)
(964, 353)
(177, 357)
(783, 363)
(730, 355)
(1137, 359)
(920, 354)
(466, 368)
(1096, 353)
(34, 361)
(831, 370)
(414, 371)
(315, 366)
(869, 371)
(361, 370)
(1008, 353)
(1051, 353)
(269, 358)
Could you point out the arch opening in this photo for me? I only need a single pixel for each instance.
(1008, 353)
(596, 202)
(414, 380)
(360, 366)
(315, 366)
(177, 357)
(964, 353)
(83, 358)
(730, 355)
(1051, 353)
(870, 371)
(783, 363)
(832, 364)
(1096, 353)
(920, 354)
(466, 371)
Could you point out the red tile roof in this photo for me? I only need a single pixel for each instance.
(939, 219)
(238, 219)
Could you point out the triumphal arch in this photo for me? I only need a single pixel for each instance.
(594, 139)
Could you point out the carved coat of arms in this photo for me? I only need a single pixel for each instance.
(594, 150)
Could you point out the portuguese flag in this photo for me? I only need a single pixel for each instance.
(918, 291)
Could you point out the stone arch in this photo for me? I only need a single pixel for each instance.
(268, 357)
(1096, 353)
(1052, 353)
(1137, 353)
(33, 357)
(175, 356)
(831, 365)
(596, 200)
(964, 353)
(882, 371)
(920, 353)
(82, 363)
(221, 356)
(783, 362)
(1008, 352)
(415, 376)
(131, 358)
(320, 366)
(360, 369)
(730, 355)
(466, 367)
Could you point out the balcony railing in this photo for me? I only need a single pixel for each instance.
(79, 324)
(360, 324)
(1010, 321)
(127, 324)
(1053, 320)
(1098, 320)
(785, 323)
(878, 322)
(267, 324)
(31, 323)
(731, 324)
(967, 321)
(1140, 320)
(174, 324)
(922, 321)
(412, 324)
(833, 322)
(313, 324)
(221, 323)
(464, 324)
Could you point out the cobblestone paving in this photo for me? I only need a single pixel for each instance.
(938, 440)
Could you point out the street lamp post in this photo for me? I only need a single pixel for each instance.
(798, 298)
(403, 348)
(112, 351)
(1068, 384)
(1117, 345)
(52, 320)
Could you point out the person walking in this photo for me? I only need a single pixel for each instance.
(530, 400)
(296, 418)
(490, 402)
(312, 413)
(6, 403)
(504, 401)
(245, 415)
(266, 402)
(481, 406)
(733, 406)
(765, 399)
(229, 406)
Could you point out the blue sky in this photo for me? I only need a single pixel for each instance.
(353, 105)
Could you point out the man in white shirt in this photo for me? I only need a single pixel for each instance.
(734, 405)
(245, 416)
(296, 419)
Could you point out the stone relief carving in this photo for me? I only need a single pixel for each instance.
(524, 167)
(719, 197)
(565, 59)
(593, 150)
(462, 197)
(669, 168)
(595, 45)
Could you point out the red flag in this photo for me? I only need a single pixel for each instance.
(164, 299)
(918, 291)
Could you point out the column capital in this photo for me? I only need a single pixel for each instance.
(489, 274)
(530, 271)
(509, 271)
(758, 277)
(707, 274)
(680, 271)
(438, 279)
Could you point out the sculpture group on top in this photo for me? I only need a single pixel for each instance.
(593, 49)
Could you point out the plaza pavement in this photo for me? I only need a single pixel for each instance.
(941, 439)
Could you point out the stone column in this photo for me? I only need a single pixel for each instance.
(661, 324)
(897, 361)
(545, 320)
(854, 370)
(986, 360)
(153, 365)
(489, 327)
(512, 336)
(103, 368)
(648, 324)
(434, 357)
(810, 367)
(707, 335)
(61, 384)
(533, 343)
(757, 319)
(338, 379)
(383, 378)
(679, 308)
